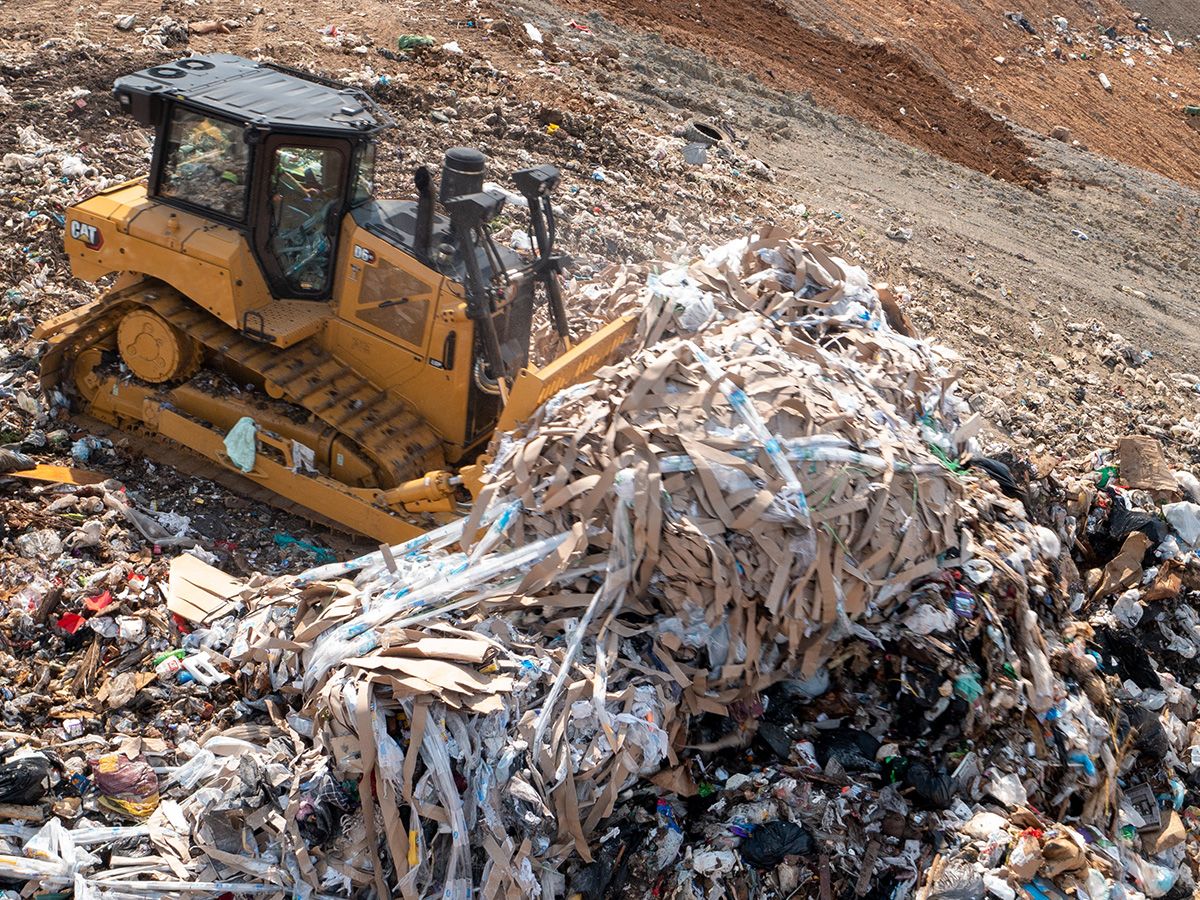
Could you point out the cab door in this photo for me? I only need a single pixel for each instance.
(301, 202)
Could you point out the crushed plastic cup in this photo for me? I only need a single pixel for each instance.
(131, 628)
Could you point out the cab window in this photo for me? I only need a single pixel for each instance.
(395, 301)
(205, 163)
(364, 174)
(306, 190)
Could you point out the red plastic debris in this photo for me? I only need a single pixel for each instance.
(97, 603)
(71, 622)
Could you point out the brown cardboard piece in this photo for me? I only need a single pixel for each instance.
(1167, 583)
(1028, 865)
(1125, 569)
(198, 592)
(1061, 854)
(677, 781)
(1144, 467)
(1173, 833)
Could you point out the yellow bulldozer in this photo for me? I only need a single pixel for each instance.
(351, 355)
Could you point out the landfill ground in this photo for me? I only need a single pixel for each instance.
(1038, 226)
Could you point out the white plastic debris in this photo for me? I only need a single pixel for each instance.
(1184, 518)
(926, 619)
(241, 443)
(1128, 608)
(1008, 789)
(1190, 485)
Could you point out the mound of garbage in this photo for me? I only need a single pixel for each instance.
(748, 614)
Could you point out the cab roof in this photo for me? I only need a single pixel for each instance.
(254, 93)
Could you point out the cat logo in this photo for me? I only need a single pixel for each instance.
(367, 256)
(92, 236)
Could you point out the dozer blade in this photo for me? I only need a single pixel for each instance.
(59, 475)
(535, 386)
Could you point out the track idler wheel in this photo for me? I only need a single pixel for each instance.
(155, 350)
(87, 378)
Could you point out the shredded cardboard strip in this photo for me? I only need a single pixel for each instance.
(756, 481)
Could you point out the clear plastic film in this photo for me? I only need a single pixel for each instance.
(438, 538)
(478, 574)
(458, 866)
(158, 888)
(800, 450)
(359, 636)
(791, 502)
(618, 574)
(22, 868)
(389, 756)
(199, 768)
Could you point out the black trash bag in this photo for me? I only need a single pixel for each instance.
(606, 877)
(590, 881)
(24, 781)
(958, 882)
(854, 750)
(322, 808)
(1149, 737)
(1001, 474)
(912, 722)
(1123, 521)
(1123, 651)
(1106, 538)
(883, 888)
(774, 739)
(920, 782)
(929, 788)
(768, 844)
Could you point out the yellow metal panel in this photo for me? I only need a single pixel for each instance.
(374, 262)
(289, 321)
(437, 394)
(121, 231)
(119, 201)
(533, 387)
(332, 500)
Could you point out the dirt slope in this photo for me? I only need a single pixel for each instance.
(1181, 17)
(926, 71)
(875, 83)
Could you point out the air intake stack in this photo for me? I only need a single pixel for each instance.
(462, 173)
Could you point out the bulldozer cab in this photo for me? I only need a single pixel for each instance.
(280, 155)
(288, 159)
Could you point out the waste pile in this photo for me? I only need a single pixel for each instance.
(748, 614)
(1118, 42)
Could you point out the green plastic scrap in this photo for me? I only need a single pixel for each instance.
(413, 41)
(1106, 475)
(968, 687)
(946, 460)
(1192, 110)
(322, 554)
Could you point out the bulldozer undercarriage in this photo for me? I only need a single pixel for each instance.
(328, 439)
